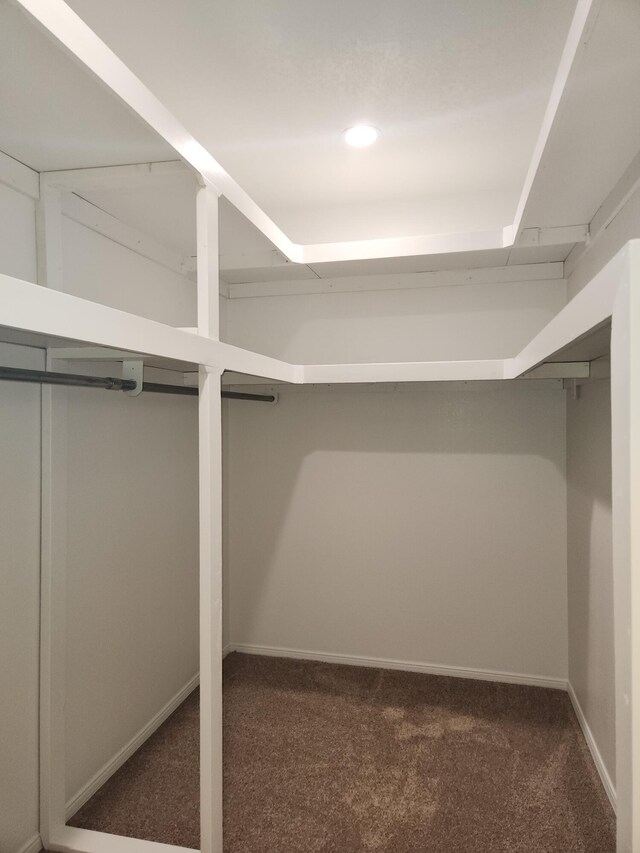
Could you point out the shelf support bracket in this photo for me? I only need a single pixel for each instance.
(134, 370)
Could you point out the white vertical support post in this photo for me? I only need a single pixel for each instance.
(625, 413)
(210, 462)
(207, 262)
(53, 614)
(210, 611)
(49, 236)
(52, 544)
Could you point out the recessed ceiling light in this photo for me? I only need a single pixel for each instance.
(360, 135)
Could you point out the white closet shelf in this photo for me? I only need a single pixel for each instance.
(37, 310)
(588, 310)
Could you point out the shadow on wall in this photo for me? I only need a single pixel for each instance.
(352, 513)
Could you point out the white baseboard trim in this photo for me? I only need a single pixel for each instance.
(593, 748)
(408, 666)
(33, 845)
(227, 650)
(87, 791)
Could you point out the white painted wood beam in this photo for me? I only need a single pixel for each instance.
(625, 420)
(53, 505)
(210, 504)
(208, 274)
(84, 213)
(19, 177)
(584, 17)
(136, 176)
(53, 543)
(401, 281)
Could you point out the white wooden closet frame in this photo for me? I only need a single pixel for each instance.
(45, 310)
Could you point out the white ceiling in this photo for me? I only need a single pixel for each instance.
(597, 129)
(55, 115)
(457, 88)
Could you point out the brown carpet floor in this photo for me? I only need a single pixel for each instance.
(336, 759)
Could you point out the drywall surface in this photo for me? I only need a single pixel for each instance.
(425, 525)
(132, 567)
(20, 410)
(590, 571)
(436, 323)
(19, 600)
(17, 235)
(96, 268)
(586, 262)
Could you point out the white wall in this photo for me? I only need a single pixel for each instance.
(96, 268)
(132, 533)
(132, 567)
(425, 525)
(19, 600)
(132, 523)
(400, 524)
(590, 571)
(17, 235)
(19, 550)
(461, 322)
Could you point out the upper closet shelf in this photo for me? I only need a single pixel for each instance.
(50, 314)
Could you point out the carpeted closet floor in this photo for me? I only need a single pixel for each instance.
(325, 758)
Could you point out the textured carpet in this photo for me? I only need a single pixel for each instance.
(331, 758)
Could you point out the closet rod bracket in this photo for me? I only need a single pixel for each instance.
(134, 370)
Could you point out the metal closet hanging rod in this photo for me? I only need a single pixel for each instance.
(112, 383)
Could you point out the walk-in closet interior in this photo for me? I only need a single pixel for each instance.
(320, 465)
